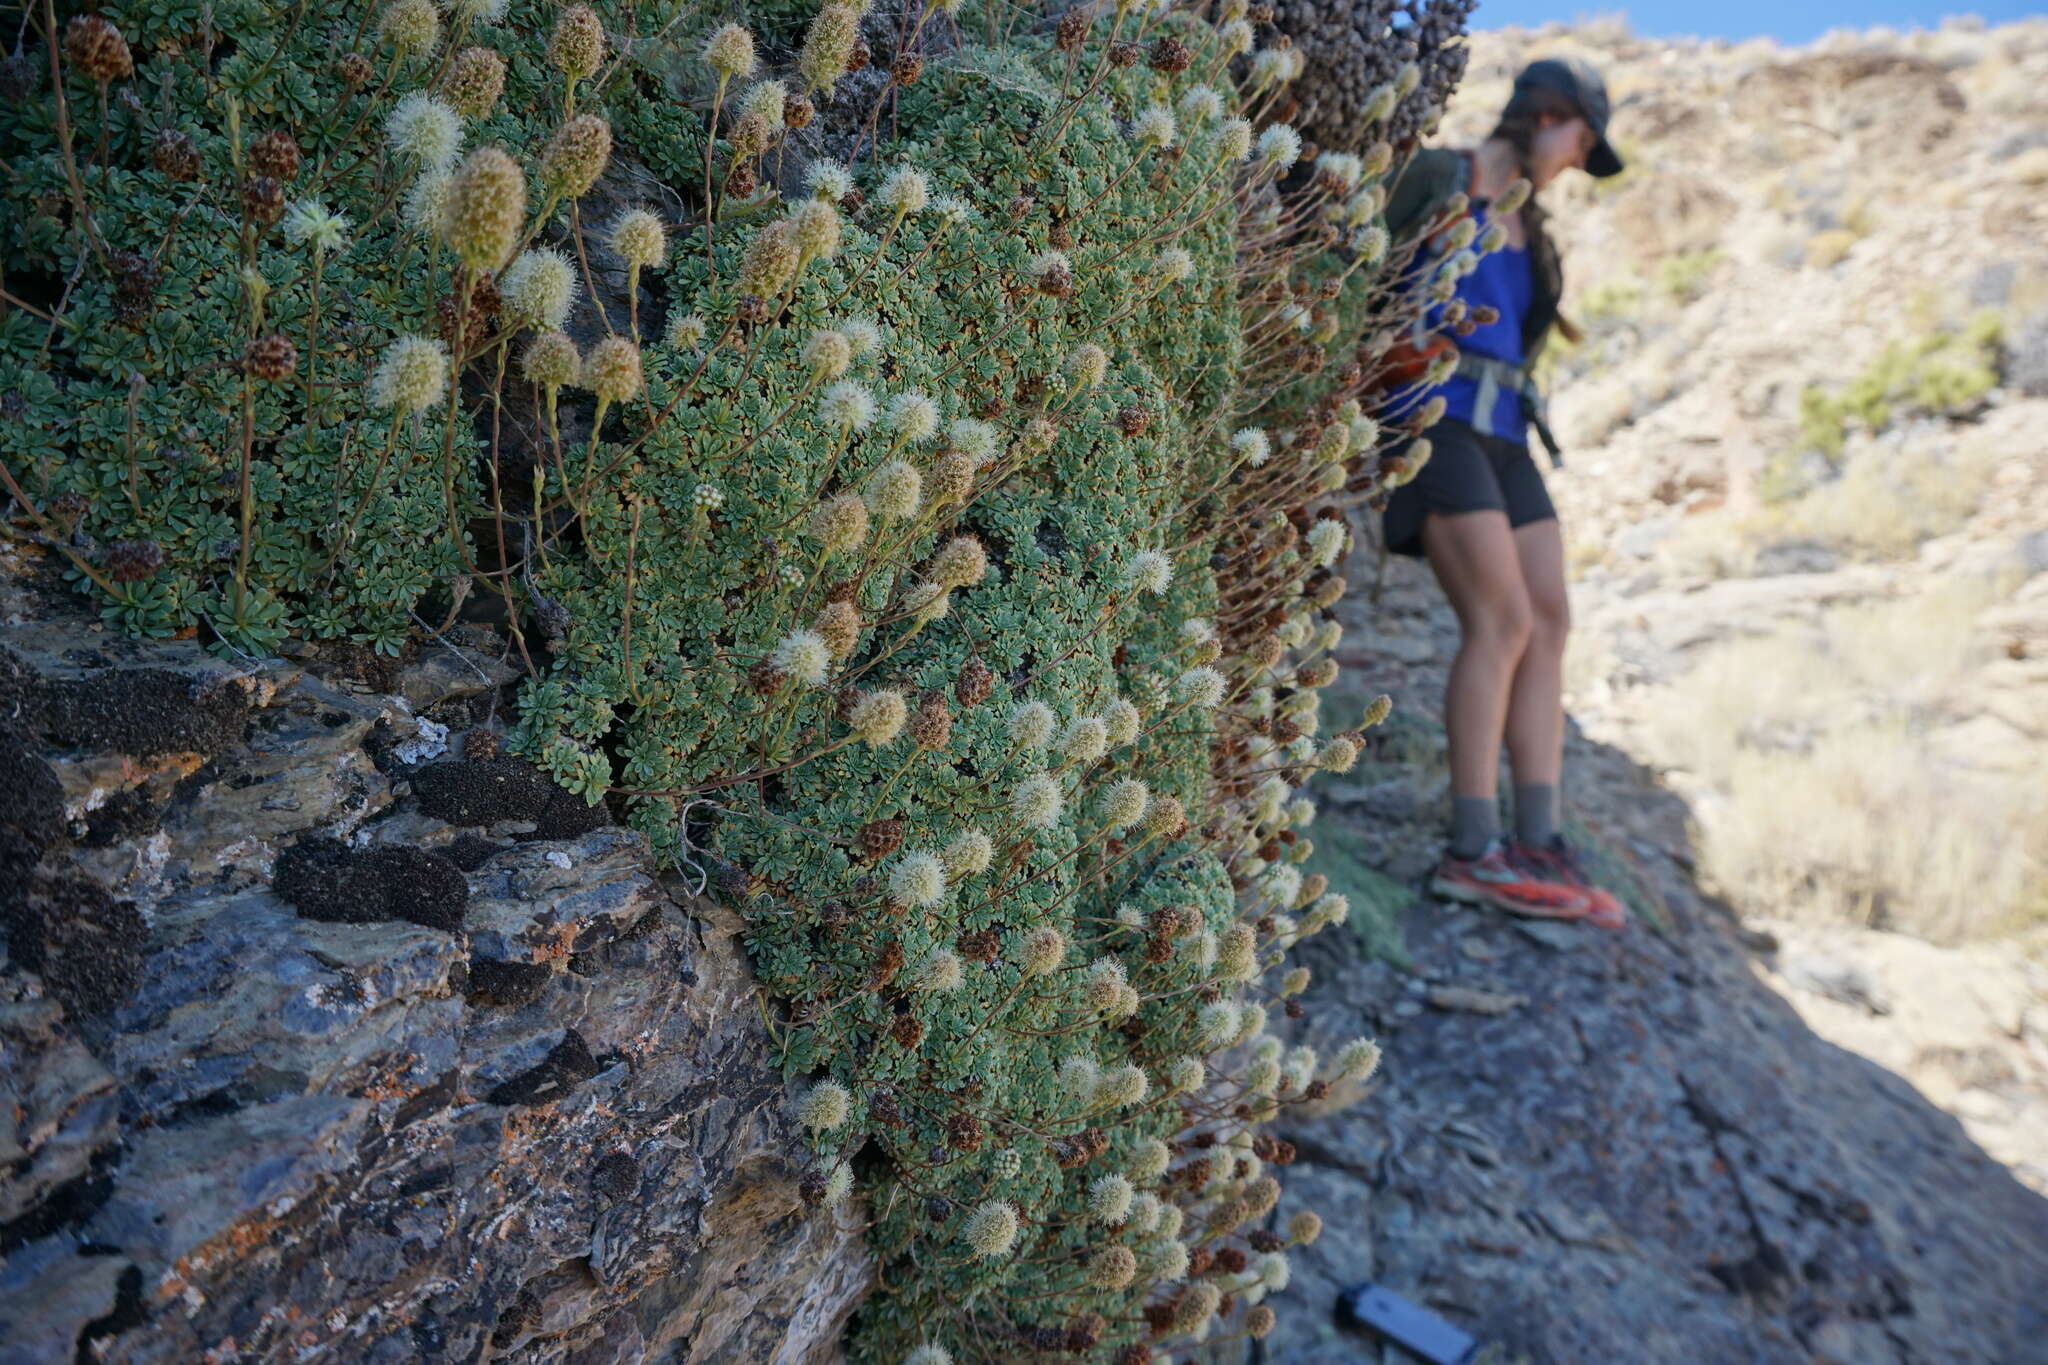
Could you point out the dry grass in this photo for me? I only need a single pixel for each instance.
(1820, 789)
(1882, 506)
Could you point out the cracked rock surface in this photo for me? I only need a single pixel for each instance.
(298, 1065)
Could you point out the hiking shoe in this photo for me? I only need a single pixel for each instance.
(1558, 862)
(1495, 879)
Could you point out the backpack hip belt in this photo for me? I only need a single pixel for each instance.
(1494, 375)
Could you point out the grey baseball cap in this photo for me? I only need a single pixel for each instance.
(1577, 80)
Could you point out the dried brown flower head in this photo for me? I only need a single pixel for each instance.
(97, 48)
(174, 155)
(270, 357)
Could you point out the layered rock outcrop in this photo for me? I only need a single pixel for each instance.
(295, 1069)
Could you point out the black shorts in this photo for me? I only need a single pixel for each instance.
(1467, 471)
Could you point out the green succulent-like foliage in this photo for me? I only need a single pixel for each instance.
(788, 535)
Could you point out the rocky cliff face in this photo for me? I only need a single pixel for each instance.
(321, 1039)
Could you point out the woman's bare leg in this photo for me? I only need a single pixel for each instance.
(1475, 558)
(1535, 713)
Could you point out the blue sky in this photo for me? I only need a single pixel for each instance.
(1738, 19)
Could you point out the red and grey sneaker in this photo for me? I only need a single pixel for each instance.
(1495, 879)
(1558, 862)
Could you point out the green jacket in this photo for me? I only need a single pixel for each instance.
(1430, 178)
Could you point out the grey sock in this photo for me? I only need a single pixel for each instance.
(1475, 823)
(1536, 813)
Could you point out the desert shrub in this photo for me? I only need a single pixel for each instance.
(1943, 373)
(923, 529)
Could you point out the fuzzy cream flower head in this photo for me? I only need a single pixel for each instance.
(929, 1354)
(847, 406)
(425, 202)
(1124, 802)
(423, 131)
(976, 439)
(1037, 802)
(309, 223)
(970, 853)
(992, 1229)
(1149, 1160)
(1270, 67)
(1085, 740)
(770, 260)
(1045, 952)
(1122, 721)
(815, 228)
(1031, 725)
(878, 717)
(895, 491)
(552, 361)
(828, 45)
(576, 47)
(1148, 571)
(865, 336)
(1252, 446)
(1109, 1199)
(1325, 542)
(1112, 1267)
(1217, 1024)
(1086, 365)
(1493, 239)
(1279, 147)
(764, 100)
(1154, 127)
(1347, 169)
(1339, 755)
(1124, 1086)
(952, 211)
(1512, 198)
(1172, 265)
(827, 354)
(730, 53)
(1281, 884)
(1078, 1076)
(1358, 1059)
(919, 880)
(1330, 908)
(1202, 688)
(960, 563)
(479, 11)
(538, 289)
(804, 656)
(904, 192)
(1332, 442)
(410, 28)
(828, 180)
(912, 416)
(1234, 140)
(825, 1107)
(576, 156)
(640, 239)
(612, 370)
(1201, 104)
(411, 377)
(1237, 37)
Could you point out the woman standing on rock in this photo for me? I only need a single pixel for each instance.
(1477, 508)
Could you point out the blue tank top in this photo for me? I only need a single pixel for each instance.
(1504, 282)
